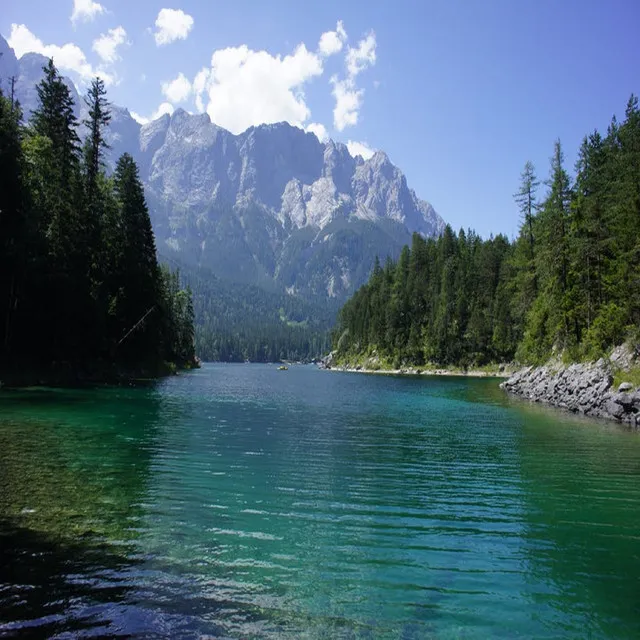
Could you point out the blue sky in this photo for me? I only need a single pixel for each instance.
(459, 93)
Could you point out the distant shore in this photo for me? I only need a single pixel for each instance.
(410, 371)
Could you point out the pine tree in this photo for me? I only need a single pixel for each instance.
(60, 208)
(138, 289)
(525, 197)
(98, 119)
(14, 230)
(552, 260)
(55, 119)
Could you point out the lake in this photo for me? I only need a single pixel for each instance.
(245, 502)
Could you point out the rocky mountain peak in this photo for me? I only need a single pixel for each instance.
(270, 203)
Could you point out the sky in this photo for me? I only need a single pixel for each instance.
(458, 93)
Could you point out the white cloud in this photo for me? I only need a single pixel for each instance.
(360, 149)
(331, 41)
(68, 57)
(348, 97)
(85, 10)
(138, 118)
(363, 56)
(348, 103)
(200, 86)
(319, 129)
(247, 87)
(178, 90)
(165, 107)
(106, 46)
(172, 25)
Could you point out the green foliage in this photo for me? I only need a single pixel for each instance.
(445, 301)
(236, 322)
(80, 287)
(608, 328)
(569, 285)
(630, 375)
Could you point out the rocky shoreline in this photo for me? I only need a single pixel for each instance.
(586, 389)
(410, 371)
(373, 365)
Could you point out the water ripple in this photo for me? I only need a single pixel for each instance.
(240, 502)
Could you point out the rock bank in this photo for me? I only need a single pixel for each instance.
(580, 388)
(373, 364)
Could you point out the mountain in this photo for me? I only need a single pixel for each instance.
(27, 72)
(275, 206)
(271, 206)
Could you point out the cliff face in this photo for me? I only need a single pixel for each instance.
(275, 205)
(587, 388)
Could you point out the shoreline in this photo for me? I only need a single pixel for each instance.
(471, 373)
(582, 388)
(87, 377)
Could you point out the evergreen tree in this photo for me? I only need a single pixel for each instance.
(80, 288)
(570, 283)
(526, 200)
(14, 230)
(60, 207)
(98, 119)
(55, 119)
(137, 286)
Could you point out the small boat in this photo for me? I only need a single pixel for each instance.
(283, 368)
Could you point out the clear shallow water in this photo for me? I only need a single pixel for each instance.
(241, 501)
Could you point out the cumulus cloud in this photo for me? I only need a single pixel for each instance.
(172, 25)
(85, 10)
(68, 57)
(201, 80)
(243, 87)
(331, 41)
(164, 108)
(319, 129)
(360, 149)
(200, 86)
(177, 90)
(346, 93)
(348, 103)
(363, 56)
(106, 46)
(246, 87)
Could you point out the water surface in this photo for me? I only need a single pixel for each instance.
(242, 501)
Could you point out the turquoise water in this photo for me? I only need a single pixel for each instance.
(242, 501)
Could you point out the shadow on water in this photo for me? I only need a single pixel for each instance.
(53, 586)
(78, 556)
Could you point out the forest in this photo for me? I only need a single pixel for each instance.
(567, 287)
(81, 290)
(236, 322)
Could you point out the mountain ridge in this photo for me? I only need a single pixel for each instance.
(272, 204)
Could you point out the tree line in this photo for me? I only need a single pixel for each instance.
(236, 322)
(81, 289)
(567, 286)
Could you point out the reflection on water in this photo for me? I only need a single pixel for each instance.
(240, 502)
